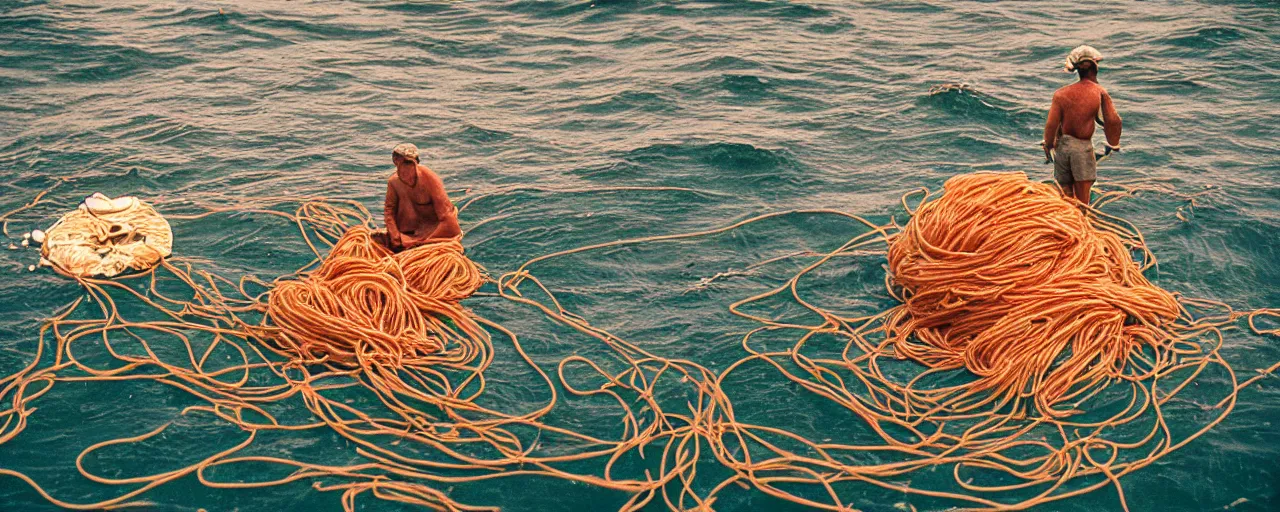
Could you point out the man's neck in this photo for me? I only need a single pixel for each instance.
(1089, 78)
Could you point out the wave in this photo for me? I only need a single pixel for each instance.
(968, 104)
(718, 155)
(628, 101)
(1207, 37)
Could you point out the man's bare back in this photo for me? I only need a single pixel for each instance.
(417, 207)
(1071, 124)
(1078, 104)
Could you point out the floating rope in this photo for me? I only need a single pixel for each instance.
(1029, 359)
(366, 304)
(1001, 276)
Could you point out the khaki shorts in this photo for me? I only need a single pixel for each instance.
(1073, 161)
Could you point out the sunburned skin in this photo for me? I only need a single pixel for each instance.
(1075, 107)
(1073, 113)
(417, 209)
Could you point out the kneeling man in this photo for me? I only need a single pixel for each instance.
(417, 209)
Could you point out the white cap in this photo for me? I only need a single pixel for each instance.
(406, 150)
(1080, 54)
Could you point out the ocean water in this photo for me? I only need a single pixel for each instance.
(707, 111)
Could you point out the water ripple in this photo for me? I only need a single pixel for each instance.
(764, 105)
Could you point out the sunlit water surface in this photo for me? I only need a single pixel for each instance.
(758, 106)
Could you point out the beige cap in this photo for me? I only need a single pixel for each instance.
(1080, 54)
(406, 150)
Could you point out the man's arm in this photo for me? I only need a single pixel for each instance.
(445, 213)
(1051, 127)
(392, 206)
(1111, 118)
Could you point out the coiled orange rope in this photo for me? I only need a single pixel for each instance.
(365, 303)
(1001, 276)
(1035, 308)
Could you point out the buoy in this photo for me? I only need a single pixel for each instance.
(37, 236)
(100, 204)
(25, 243)
(31, 268)
(94, 203)
(12, 247)
(107, 237)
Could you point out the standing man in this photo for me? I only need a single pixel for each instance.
(1068, 135)
(417, 209)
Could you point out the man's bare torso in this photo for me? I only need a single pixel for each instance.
(1080, 103)
(415, 211)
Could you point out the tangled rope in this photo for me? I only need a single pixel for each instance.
(366, 304)
(1001, 276)
(1040, 365)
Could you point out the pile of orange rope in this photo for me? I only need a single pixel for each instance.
(1025, 313)
(1003, 277)
(1047, 361)
(365, 304)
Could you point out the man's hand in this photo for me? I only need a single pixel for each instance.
(1106, 152)
(1048, 153)
(397, 241)
(415, 241)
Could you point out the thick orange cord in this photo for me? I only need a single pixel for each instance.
(1020, 315)
(365, 303)
(1001, 276)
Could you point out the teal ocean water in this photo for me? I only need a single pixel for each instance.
(737, 107)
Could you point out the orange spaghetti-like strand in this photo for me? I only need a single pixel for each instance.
(1019, 312)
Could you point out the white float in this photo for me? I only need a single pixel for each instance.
(105, 237)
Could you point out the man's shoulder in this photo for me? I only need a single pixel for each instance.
(1084, 85)
(1078, 89)
(429, 174)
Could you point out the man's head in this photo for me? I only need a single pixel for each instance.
(1087, 68)
(1084, 60)
(405, 156)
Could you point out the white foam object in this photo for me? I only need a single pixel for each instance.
(37, 236)
(101, 204)
(106, 237)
